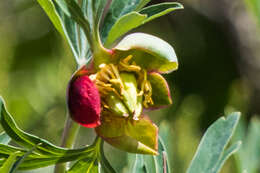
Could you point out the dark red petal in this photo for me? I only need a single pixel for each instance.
(84, 102)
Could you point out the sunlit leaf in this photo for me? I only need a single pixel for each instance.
(118, 9)
(28, 140)
(50, 10)
(55, 11)
(43, 161)
(134, 19)
(6, 150)
(211, 153)
(87, 165)
(123, 25)
(20, 160)
(7, 166)
(158, 10)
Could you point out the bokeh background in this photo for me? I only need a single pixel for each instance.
(218, 47)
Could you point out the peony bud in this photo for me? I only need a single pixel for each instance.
(84, 102)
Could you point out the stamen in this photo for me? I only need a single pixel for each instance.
(108, 81)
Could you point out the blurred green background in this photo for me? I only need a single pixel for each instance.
(217, 43)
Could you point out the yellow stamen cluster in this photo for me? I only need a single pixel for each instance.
(108, 80)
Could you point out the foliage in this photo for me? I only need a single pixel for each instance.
(79, 33)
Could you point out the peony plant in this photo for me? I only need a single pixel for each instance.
(117, 80)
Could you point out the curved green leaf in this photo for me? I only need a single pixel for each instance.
(158, 10)
(28, 140)
(227, 153)
(211, 154)
(6, 150)
(67, 28)
(87, 165)
(248, 157)
(43, 161)
(133, 20)
(149, 52)
(139, 166)
(50, 10)
(20, 160)
(104, 162)
(157, 164)
(118, 9)
(123, 25)
(7, 166)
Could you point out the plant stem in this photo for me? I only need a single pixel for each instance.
(68, 139)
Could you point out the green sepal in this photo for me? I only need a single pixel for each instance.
(135, 136)
(149, 52)
(160, 91)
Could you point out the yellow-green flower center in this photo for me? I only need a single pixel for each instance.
(124, 88)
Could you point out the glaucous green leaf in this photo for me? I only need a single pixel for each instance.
(149, 52)
(134, 19)
(70, 30)
(105, 165)
(158, 10)
(123, 25)
(87, 165)
(7, 166)
(150, 164)
(118, 9)
(29, 141)
(248, 157)
(67, 28)
(136, 136)
(20, 160)
(227, 153)
(7, 150)
(77, 14)
(211, 153)
(4, 138)
(50, 10)
(139, 166)
(160, 91)
(160, 163)
(98, 9)
(40, 161)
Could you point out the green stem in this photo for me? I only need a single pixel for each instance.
(68, 139)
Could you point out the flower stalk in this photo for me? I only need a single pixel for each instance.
(69, 136)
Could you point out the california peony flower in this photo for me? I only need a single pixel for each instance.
(112, 92)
